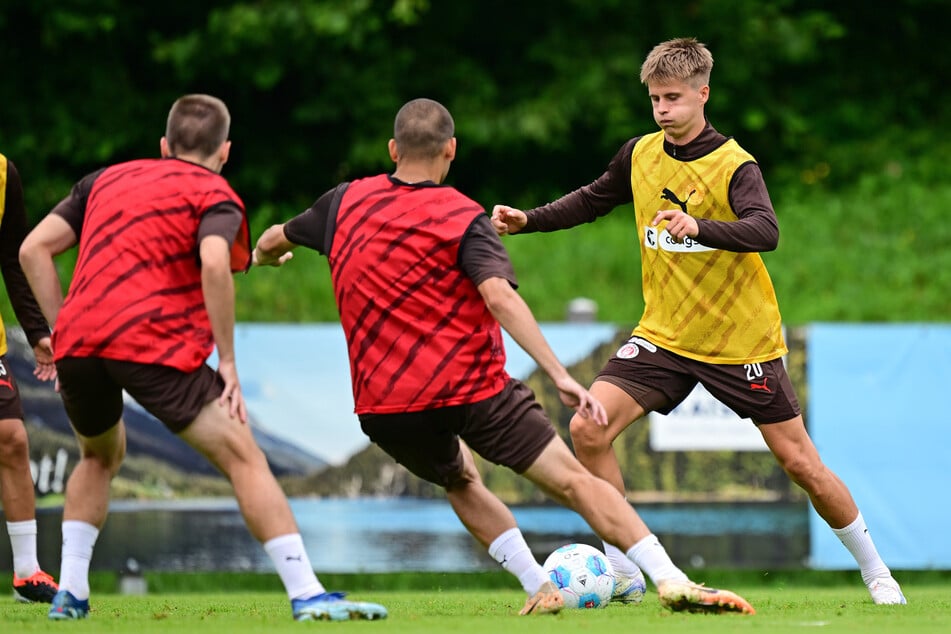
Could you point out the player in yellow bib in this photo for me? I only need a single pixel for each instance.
(17, 498)
(703, 216)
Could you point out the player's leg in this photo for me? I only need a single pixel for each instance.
(426, 443)
(84, 513)
(557, 472)
(16, 482)
(764, 392)
(30, 583)
(640, 377)
(593, 443)
(187, 403)
(513, 430)
(593, 447)
(797, 455)
(483, 514)
(563, 478)
(491, 522)
(230, 446)
(94, 405)
(794, 450)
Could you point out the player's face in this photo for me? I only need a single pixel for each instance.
(678, 109)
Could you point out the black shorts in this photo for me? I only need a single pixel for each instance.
(659, 380)
(509, 429)
(10, 404)
(92, 387)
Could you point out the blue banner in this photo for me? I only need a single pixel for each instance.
(878, 413)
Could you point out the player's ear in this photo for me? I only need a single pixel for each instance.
(394, 151)
(450, 150)
(164, 151)
(224, 152)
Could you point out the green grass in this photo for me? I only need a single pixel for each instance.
(795, 609)
(480, 603)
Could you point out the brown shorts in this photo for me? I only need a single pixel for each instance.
(659, 380)
(92, 387)
(509, 429)
(10, 404)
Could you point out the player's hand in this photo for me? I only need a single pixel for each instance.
(576, 397)
(679, 224)
(508, 219)
(231, 395)
(45, 369)
(258, 258)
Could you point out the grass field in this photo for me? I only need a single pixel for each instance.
(820, 602)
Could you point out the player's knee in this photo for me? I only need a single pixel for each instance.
(805, 473)
(14, 445)
(574, 485)
(458, 480)
(586, 435)
(108, 461)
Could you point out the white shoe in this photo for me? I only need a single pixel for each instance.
(886, 591)
(629, 589)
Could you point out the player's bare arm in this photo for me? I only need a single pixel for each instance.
(272, 248)
(513, 314)
(507, 219)
(49, 238)
(218, 289)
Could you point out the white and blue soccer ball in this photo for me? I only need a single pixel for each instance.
(583, 575)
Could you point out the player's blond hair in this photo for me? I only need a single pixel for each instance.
(682, 59)
(197, 124)
(422, 128)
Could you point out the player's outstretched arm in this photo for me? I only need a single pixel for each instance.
(516, 317)
(507, 219)
(273, 248)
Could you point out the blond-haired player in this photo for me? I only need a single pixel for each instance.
(703, 215)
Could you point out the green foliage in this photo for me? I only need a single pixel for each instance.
(878, 251)
(542, 99)
(313, 85)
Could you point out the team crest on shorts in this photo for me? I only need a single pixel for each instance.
(628, 351)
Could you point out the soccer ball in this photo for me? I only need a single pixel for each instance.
(583, 575)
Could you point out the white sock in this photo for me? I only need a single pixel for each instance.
(622, 566)
(651, 557)
(79, 539)
(23, 544)
(293, 566)
(856, 538)
(510, 550)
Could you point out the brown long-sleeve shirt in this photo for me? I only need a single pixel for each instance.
(13, 228)
(755, 230)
